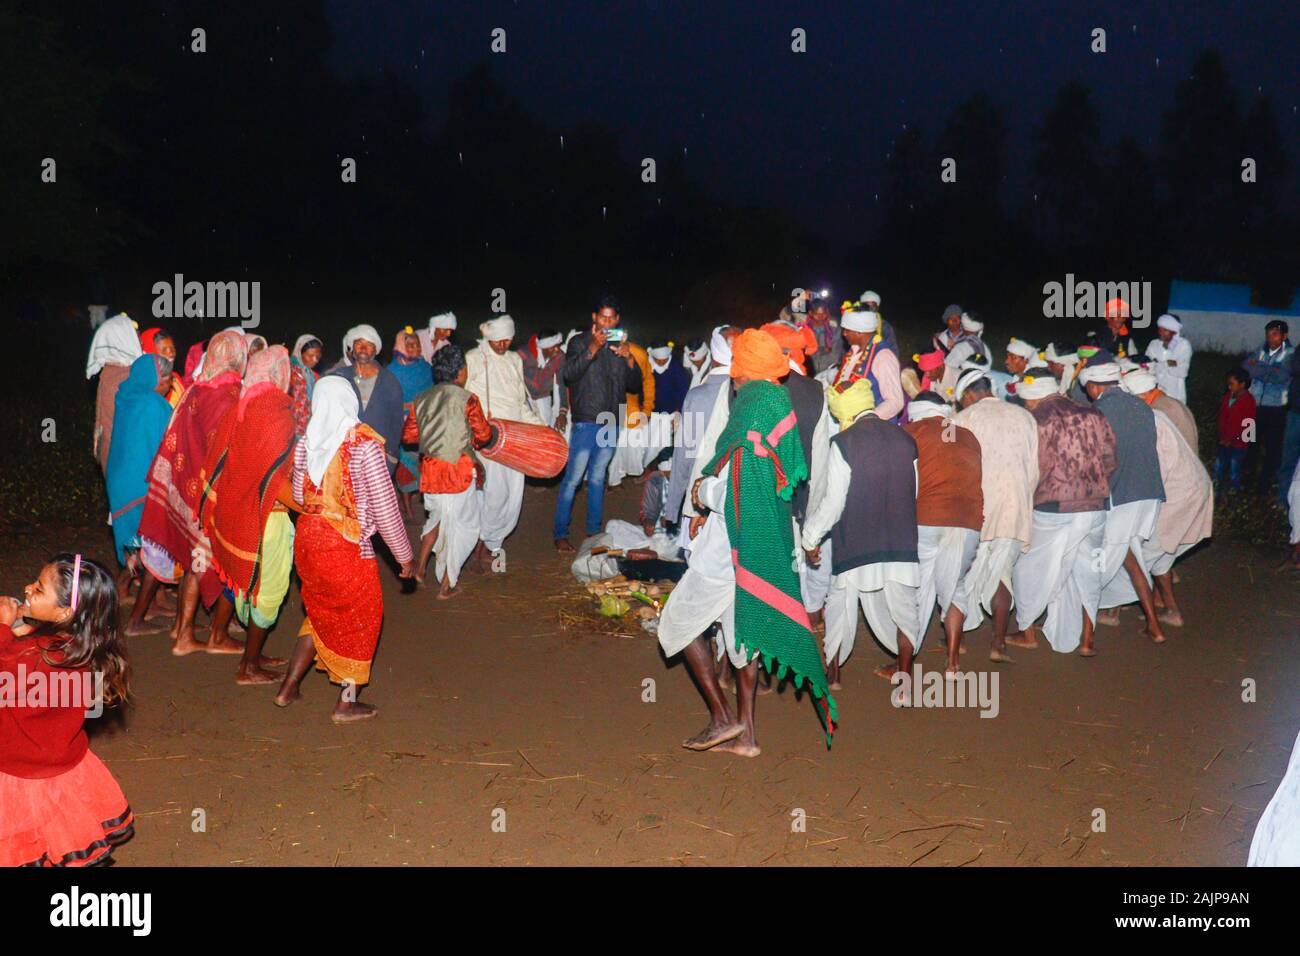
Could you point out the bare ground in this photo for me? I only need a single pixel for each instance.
(488, 703)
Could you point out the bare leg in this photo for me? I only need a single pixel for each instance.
(136, 625)
(219, 639)
(187, 607)
(1085, 648)
(1001, 606)
(427, 544)
(304, 652)
(348, 709)
(1143, 588)
(1170, 614)
(833, 673)
(745, 745)
(952, 623)
(253, 666)
(723, 725)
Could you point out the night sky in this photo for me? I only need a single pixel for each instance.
(763, 124)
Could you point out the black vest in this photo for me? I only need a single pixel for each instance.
(879, 519)
(808, 399)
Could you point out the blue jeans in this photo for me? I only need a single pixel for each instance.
(591, 448)
(1227, 466)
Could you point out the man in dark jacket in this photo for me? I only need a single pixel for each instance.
(599, 372)
(378, 390)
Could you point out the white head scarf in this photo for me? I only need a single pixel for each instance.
(864, 321)
(1037, 386)
(1021, 348)
(1068, 358)
(967, 379)
(870, 296)
(366, 332)
(550, 341)
(973, 326)
(303, 340)
(919, 409)
(701, 355)
(1099, 374)
(720, 348)
(334, 409)
(1138, 382)
(660, 358)
(1169, 322)
(494, 330)
(443, 320)
(115, 343)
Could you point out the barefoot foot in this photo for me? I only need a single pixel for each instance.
(714, 734)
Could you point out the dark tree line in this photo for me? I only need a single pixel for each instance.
(229, 164)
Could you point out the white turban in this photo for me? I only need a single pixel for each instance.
(443, 320)
(663, 353)
(550, 341)
(968, 378)
(1070, 358)
(971, 325)
(919, 409)
(1126, 365)
(864, 321)
(1167, 321)
(366, 332)
(1036, 386)
(870, 296)
(1021, 348)
(1138, 382)
(495, 330)
(698, 354)
(719, 346)
(1099, 374)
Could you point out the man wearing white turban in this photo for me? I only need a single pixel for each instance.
(1136, 492)
(1142, 384)
(872, 361)
(496, 376)
(379, 393)
(436, 334)
(1008, 441)
(1171, 356)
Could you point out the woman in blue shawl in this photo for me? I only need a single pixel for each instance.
(415, 375)
(140, 418)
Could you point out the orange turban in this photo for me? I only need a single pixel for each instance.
(789, 338)
(757, 355)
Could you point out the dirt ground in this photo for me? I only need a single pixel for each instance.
(488, 703)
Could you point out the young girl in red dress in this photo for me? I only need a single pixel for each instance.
(60, 656)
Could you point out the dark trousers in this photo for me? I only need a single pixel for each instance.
(1264, 454)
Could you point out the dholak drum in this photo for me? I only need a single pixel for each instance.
(537, 451)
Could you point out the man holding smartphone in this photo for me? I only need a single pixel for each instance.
(599, 371)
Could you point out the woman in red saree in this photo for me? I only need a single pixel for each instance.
(174, 543)
(340, 478)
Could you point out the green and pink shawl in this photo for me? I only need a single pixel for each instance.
(761, 444)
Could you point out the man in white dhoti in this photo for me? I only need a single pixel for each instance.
(1136, 492)
(1185, 519)
(1008, 440)
(869, 510)
(448, 424)
(1060, 573)
(949, 514)
(1277, 835)
(701, 416)
(496, 376)
(1171, 357)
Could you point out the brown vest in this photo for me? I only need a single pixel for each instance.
(444, 429)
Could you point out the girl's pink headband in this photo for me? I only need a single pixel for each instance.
(76, 580)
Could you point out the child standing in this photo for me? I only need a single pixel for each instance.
(1236, 409)
(59, 805)
(448, 424)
